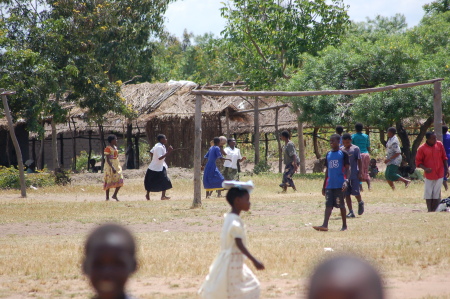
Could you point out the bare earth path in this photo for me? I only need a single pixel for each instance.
(41, 239)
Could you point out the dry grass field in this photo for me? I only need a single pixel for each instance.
(41, 239)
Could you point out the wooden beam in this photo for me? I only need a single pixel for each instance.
(197, 202)
(263, 109)
(256, 130)
(301, 144)
(280, 151)
(23, 187)
(310, 93)
(437, 104)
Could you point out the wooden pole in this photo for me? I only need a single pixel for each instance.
(256, 130)
(266, 147)
(437, 103)
(61, 149)
(23, 187)
(280, 151)
(74, 146)
(55, 159)
(197, 202)
(301, 144)
(228, 123)
(90, 149)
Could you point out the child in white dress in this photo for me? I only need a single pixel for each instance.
(229, 277)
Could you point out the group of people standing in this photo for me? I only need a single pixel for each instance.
(231, 155)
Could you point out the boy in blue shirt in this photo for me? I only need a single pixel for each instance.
(335, 183)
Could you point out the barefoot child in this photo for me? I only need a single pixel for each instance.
(113, 170)
(109, 260)
(335, 183)
(229, 276)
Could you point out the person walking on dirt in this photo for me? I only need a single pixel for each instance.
(113, 171)
(432, 159)
(354, 156)
(156, 179)
(362, 141)
(393, 160)
(290, 161)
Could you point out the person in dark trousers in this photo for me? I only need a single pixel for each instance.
(354, 156)
(335, 183)
(291, 162)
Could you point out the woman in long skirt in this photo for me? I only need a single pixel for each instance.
(113, 172)
(156, 179)
(212, 178)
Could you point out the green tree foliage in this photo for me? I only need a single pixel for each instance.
(437, 7)
(267, 37)
(378, 57)
(202, 59)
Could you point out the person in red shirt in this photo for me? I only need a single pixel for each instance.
(432, 159)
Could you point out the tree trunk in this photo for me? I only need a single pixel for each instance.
(23, 187)
(130, 147)
(228, 123)
(383, 137)
(197, 202)
(256, 131)
(301, 144)
(42, 152)
(416, 143)
(280, 150)
(404, 137)
(54, 147)
(316, 142)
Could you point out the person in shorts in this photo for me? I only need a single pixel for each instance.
(230, 172)
(354, 156)
(335, 183)
(393, 160)
(432, 159)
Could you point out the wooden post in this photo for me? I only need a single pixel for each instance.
(90, 149)
(136, 144)
(228, 123)
(74, 146)
(42, 152)
(61, 149)
(266, 147)
(23, 187)
(33, 150)
(301, 144)
(197, 202)
(256, 131)
(280, 151)
(438, 110)
(54, 146)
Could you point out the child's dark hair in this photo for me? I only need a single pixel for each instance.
(285, 134)
(230, 140)
(339, 129)
(102, 237)
(216, 140)
(392, 130)
(160, 137)
(373, 160)
(429, 134)
(359, 127)
(111, 138)
(335, 137)
(444, 129)
(346, 136)
(233, 193)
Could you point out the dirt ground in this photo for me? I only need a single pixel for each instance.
(428, 282)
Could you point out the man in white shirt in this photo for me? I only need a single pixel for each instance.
(234, 154)
(156, 179)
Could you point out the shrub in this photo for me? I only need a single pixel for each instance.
(262, 166)
(9, 178)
